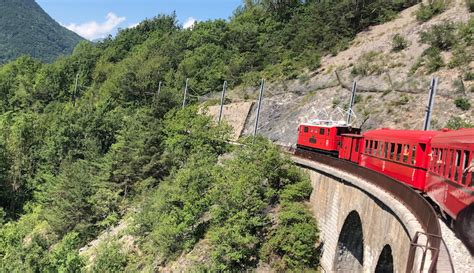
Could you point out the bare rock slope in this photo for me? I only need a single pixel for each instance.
(389, 94)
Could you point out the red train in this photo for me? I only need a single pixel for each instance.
(438, 163)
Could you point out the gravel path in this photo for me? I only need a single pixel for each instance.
(462, 260)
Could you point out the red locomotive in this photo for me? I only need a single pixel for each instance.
(438, 163)
(324, 138)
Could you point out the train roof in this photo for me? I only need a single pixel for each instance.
(461, 136)
(411, 135)
(324, 126)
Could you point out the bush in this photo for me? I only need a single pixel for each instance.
(469, 75)
(426, 12)
(369, 63)
(433, 59)
(399, 43)
(110, 258)
(455, 123)
(442, 36)
(403, 100)
(470, 5)
(293, 240)
(463, 104)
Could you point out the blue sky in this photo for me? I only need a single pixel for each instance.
(95, 19)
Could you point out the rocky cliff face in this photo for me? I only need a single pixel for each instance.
(390, 94)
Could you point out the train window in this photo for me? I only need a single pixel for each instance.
(399, 151)
(464, 168)
(379, 151)
(366, 148)
(439, 163)
(433, 157)
(357, 147)
(376, 146)
(449, 166)
(392, 150)
(406, 153)
(423, 147)
(413, 155)
(306, 129)
(329, 132)
(321, 131)
(457, 166)
(445, 163)
(385, 150)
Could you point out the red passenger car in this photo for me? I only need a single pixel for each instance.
(400, 154)
(324, 138)
(450, 182)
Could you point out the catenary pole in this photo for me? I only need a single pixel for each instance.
(185, 93)
(224, 88)
(429, 107)
(351, 105)
(260, 98)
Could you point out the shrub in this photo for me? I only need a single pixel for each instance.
(455, 123)
(463, 104)
(433, 59)
(404, 99)
(470, 5)
(297, 192)
(442, 36)
(369, 63)
(461, 56)
(399, 43)
(469, 75)
(110, 258)
(293, 239)
(426, 12)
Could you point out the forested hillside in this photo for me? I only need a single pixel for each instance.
(25, 29)
(79, 159)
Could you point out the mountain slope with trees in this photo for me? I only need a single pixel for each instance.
(25, 29)
(78, 159)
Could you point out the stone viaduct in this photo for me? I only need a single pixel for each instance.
(362, 227)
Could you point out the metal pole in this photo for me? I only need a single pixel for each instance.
(429, 108)
(185, 93)
(260, 97)
(224, 88)
(351, 105)
(157, 93)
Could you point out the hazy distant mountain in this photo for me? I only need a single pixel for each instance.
(25, 28)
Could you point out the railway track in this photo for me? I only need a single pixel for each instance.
(429, 241)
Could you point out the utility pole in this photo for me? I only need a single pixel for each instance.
(351, 105)
(185, 93)
(260, 97)
(224, 88)
(429, 107)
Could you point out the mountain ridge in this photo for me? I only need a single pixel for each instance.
(26, 29)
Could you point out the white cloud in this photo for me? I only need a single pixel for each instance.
(189, 22)
(133, 25)
(93, 30)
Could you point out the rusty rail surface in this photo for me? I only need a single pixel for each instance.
(417, 205)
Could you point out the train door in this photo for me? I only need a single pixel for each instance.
(355, 149)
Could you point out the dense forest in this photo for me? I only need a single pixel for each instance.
(85, 144)
(25, 29)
